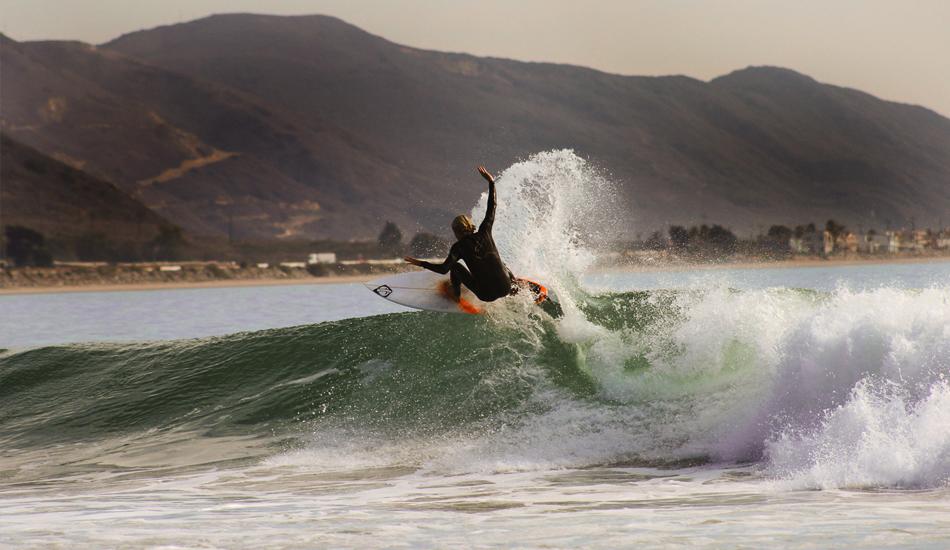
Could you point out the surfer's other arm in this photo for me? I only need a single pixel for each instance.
(490, 211)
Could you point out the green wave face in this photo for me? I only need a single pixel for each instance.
(610, 359)
(418, 370)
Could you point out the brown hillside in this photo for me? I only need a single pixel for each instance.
(56, 199)
(196, 152)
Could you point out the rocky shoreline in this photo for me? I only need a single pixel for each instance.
(80, 276)
(142, 276)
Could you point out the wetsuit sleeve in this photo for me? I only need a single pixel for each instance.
(489, 220)
(445, 266)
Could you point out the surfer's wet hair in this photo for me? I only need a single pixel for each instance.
(462, 225)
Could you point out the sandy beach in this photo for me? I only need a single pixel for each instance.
(107, 287)
(58, 285)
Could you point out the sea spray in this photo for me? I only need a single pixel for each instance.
(718, 372)
(552, 210)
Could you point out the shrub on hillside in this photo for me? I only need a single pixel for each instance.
(318, 270)
(26, 247)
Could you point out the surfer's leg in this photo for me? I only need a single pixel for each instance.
(515, 283)
(462, 276)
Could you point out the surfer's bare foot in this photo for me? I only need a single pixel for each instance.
(449, 291)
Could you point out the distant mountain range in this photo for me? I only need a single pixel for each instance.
(310, 127)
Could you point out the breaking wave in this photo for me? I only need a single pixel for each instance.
(838, 389)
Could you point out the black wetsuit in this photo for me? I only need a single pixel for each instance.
(487, 276)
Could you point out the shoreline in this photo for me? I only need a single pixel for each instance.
(179, 285)
(360, 278)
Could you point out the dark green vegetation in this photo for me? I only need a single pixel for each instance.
(26, 248)
(704, 241)
(254, 126)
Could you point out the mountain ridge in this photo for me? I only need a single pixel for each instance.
(370, 130)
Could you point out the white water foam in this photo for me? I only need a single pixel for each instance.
(773, 373)
(881, 437)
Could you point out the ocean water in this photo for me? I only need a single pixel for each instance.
(784, 407)
(59, 318)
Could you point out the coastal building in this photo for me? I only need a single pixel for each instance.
(894, 241)
(902, 241)
(943, 239)
(873, 244)
(899, 241)
(322, 258)
(810, 242)
(845, 241)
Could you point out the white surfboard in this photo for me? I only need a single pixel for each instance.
(425, 290)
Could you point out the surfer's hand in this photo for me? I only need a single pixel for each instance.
(413, 261)
(485, 174)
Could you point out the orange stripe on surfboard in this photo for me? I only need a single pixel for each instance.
(466, 306)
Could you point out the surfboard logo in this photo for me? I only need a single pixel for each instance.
(383, 291)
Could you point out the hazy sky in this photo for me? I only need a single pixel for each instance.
(894, 49)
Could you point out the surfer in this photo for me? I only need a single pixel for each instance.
(486, 276)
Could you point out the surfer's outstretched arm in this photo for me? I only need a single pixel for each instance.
(442, 268)
(490, 211)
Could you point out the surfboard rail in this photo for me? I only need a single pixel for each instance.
(430, 291)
